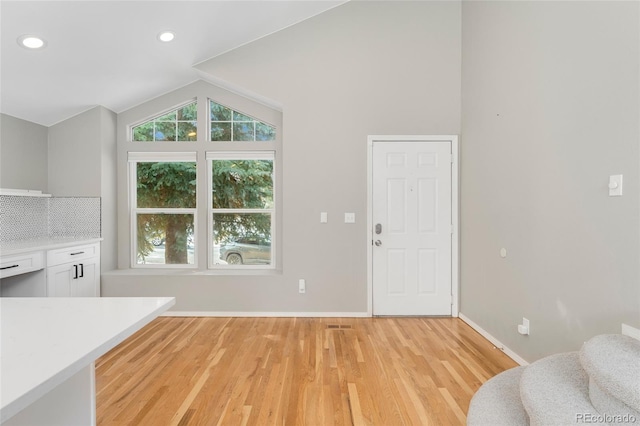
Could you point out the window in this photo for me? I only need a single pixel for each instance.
(230, 125)
(226, 181)
(176, 126)
(242, 207)
(163, 192)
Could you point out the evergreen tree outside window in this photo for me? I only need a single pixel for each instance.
(237, 200)
(242, 208)
(164, 200)
(228, 125)
(179, 125)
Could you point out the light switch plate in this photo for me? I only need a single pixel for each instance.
(323, 217)
(349, 218)
(615, 185)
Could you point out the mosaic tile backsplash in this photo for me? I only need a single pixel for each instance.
(23, 218)
(28, 218)
(74, 217)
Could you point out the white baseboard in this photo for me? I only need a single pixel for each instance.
(511, 354)
(266, 314)
(627, 330)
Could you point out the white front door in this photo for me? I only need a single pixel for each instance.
(412, 227)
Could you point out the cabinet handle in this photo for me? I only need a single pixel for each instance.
(75, 267)
(73, 254)
(9, 267)
(81, 270)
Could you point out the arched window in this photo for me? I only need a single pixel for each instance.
(170, 206)
(230, 125)
(179, 125)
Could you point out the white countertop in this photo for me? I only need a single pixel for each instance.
(44, 341)
(9, 248)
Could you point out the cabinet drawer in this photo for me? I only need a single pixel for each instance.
(71, 254)
(21, 263)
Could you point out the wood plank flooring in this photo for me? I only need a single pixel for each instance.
(295, 371)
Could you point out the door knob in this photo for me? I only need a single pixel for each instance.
(378, 243)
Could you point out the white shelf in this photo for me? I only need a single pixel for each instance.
(23, 192)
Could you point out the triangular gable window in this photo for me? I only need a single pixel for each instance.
(179, 125)
(228, 125)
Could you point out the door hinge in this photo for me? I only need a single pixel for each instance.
(452, 228)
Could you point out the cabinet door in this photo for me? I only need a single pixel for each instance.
(59, 280)
(86, 285)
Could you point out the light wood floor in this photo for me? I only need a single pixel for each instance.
(295, 371)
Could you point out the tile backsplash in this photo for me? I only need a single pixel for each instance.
(28, 218)
(74, 217)
(23, 218)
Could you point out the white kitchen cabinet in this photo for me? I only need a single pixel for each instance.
(74, 271)
(20, 264)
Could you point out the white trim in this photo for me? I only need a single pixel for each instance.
(163, 157)
(508, 352)
(166, 210)
(455, 235)
(241, 155)
(241, 211)
(132, 189)
(627, 330)
(266, 314)
(369, 240)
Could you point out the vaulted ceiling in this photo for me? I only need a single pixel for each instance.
(107, 52)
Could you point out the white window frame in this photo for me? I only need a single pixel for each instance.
(202, 92)
(133, 159)
(131, 127)
(269, 155)
(231, 122)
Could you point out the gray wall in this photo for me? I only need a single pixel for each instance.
(82, 162)
(550, 99)
(74, 155)
(23, 154)
(108, 190)
(362, 68)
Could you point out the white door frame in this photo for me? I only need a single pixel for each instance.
(455, 238)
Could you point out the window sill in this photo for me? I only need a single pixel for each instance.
(193, 272)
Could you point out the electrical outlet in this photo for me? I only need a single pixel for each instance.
(302, 286)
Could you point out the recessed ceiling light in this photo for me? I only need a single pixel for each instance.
(31, 42)
(166, 36)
